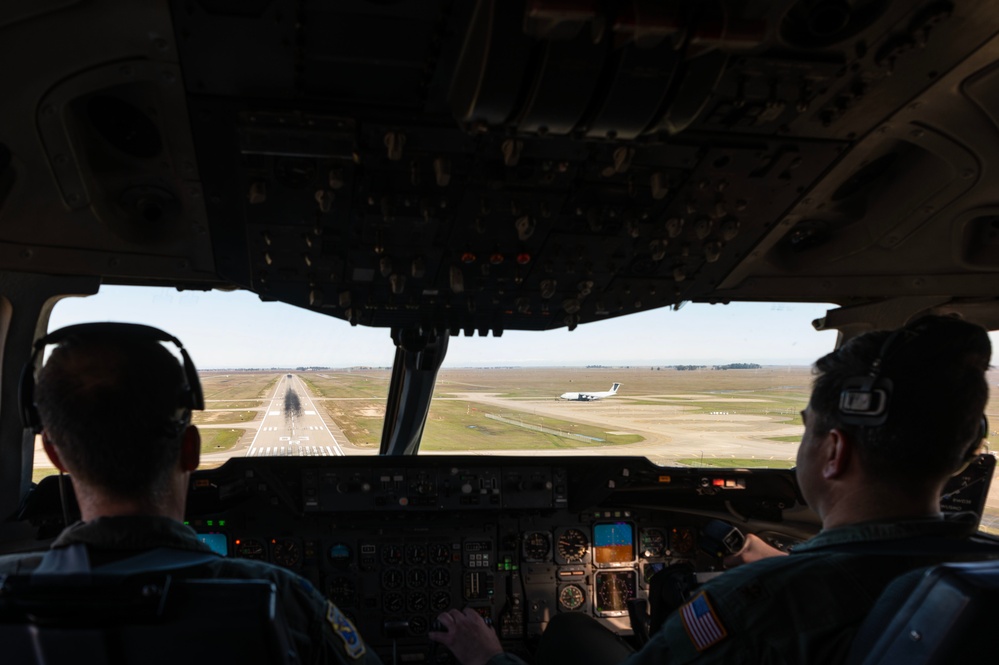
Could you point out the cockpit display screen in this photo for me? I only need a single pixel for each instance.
(217, 541)
(613, 543)
(614, 588)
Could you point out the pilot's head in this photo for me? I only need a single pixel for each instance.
(115, 407)
(926, 423)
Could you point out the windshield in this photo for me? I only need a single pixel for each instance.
(708, 385)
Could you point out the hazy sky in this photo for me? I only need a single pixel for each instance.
(237, 330)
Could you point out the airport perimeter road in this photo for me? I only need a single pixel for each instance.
(292, 426)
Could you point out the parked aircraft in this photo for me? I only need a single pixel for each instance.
(589, 397)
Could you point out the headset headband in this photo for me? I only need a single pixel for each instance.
(191, 397)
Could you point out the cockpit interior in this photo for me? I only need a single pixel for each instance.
(440, 169)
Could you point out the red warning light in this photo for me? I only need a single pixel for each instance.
(523, 258)
(718, 482)
(495, 258)
(468, 257)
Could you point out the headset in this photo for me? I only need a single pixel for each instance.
(864, 400)
(191, 397)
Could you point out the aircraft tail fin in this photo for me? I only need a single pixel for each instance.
(614, 388)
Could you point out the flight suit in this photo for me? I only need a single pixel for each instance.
(802, 608)
(319, 630)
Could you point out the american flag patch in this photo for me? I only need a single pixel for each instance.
(701, 623)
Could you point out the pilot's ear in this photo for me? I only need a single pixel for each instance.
(190, 449)
(837, 454)
(52, 452)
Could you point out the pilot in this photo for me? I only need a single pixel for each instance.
(892, 416)
(115, 418)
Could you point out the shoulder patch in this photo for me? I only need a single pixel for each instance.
(702, 624)
(342, 626)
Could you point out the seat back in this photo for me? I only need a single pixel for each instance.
(932, 616)
(142, 619)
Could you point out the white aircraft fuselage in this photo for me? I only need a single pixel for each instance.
(589, 397)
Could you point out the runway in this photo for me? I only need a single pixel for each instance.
(291, 425)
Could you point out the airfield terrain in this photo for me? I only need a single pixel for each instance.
(729, 418)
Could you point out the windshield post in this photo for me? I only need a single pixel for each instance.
(418, 357)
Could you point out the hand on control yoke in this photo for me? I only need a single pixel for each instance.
(468, 637)
(754, 549)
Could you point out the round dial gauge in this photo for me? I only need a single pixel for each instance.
(537, 545)
(393, 602)
(572, 545)
(416, 602)
(416, 554)
(653, 543)
(416, 577)
(683, 541)
(571, 597)
(392, 554)
(440, 553)
(251, 549)
(287, 553)
(417, 625)
(440, 577)
(340, 554)
(440, 601)
(392, 578)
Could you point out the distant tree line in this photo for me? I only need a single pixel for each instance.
(687, 368)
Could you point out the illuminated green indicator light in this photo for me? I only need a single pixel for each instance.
(188, 523)
(221, 522)
(211, 522)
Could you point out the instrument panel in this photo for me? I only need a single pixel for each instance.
(394, 543)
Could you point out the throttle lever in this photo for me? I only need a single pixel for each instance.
(720, 538)
(638, 616)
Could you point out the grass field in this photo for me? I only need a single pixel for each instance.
(245, 404)
(238, 385)
(359, 419)
(351, 385)
(223, 417)
(40, 472)
(217, 440)
(736, 462)
(459, 426)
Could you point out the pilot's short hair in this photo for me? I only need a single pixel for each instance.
(109, 404)
(939, 392)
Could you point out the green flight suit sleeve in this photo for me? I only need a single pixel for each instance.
(778, 611)
(694, 633)
(329, 638)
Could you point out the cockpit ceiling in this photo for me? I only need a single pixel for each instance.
(487, 166)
